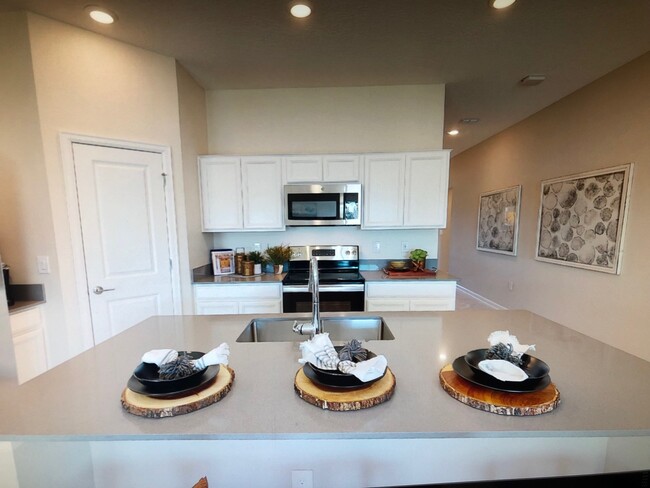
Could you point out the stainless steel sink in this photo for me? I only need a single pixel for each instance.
(339, 328)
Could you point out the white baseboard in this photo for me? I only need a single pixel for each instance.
(485, 301)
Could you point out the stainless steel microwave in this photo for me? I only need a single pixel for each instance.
(322, 204)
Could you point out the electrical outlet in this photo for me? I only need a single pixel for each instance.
(257, 246)
(405, 246)
(377, 247)
(43, 264)
(302, 478)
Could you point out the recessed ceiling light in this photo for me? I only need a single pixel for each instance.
(300, 10)
(498, 4)
(532, 80)
(453, 132)
(101, 14)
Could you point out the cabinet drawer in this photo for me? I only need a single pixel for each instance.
(25, 321)
(433, 305)
(429, 289)
(229, 292)
(383, 305)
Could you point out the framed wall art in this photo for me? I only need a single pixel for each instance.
(498, 221)
(582, 219)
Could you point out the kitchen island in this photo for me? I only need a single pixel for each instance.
(262, 431)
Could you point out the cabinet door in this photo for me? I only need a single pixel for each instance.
(221, 193)
(262, 192)
(303, 169)
(29, 349)
(341, 167)
(426, 187)
(383, 191)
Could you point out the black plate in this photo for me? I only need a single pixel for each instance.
(533, 367)
(147, 374)
(334, 376)
(342, 383)
(204, 380)
(482, 379)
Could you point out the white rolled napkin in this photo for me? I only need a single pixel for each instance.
(320, 352)
(504, 337)
(502, 370)
(218, 355)
(160, 356)
(367, 370)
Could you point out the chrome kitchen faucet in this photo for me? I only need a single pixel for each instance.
(314, 327)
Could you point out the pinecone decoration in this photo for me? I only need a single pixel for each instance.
(179, 368)
(503, 351)
(353, 351)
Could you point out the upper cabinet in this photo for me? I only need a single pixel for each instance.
(241, 193)
(330, 167)
(405, 190)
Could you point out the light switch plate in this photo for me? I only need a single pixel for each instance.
(43, 264)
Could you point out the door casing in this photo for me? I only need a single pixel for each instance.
(66, 142)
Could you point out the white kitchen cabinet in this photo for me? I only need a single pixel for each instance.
(28, 335)
(411, 296)
(222, 299)
(405, 190)
(322, 168)
(241, 193)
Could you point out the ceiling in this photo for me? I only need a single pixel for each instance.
(479, 53)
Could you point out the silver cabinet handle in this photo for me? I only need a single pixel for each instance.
(98, 290)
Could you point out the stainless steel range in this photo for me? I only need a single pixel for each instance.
(341, 285)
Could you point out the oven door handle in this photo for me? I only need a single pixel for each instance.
(331, 288)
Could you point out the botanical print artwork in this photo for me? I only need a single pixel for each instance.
(498, 221)
(581, 219)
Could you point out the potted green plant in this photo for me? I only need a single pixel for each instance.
(278, 255)
(419, 258)
(258, 260)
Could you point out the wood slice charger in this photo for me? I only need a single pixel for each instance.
(345, 400)
(156, 408)
(499, 402)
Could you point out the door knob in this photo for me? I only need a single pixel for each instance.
(98, 290)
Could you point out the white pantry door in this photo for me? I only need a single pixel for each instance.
(124, 227)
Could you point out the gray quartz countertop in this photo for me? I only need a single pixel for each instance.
(371, 276)
(604, 391)
(238, 279)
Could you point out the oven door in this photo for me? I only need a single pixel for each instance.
(333, 298)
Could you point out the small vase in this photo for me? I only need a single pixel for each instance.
(277, 268)
(257, 269)
(419, 265)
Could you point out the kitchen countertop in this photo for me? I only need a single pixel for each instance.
(603, 390)
(371, 276)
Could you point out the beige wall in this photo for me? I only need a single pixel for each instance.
(86, 84)
(22, 178)
(304, 120)
(194, 141)
(604, 124)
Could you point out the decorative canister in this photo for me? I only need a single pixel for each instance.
(248, 268)
(240, 253)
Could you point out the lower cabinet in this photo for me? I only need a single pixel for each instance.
(410, 296)
(29, 343)
(225, 299)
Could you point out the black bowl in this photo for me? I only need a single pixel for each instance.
(147, 374)
(533, 367)
(334, 377)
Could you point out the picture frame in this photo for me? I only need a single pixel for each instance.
(498, 220)
(582, 217)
